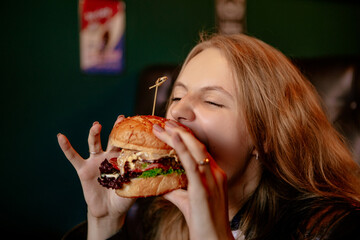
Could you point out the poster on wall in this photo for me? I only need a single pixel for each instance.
(102, 35)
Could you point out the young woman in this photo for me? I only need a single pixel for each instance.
(277, 169)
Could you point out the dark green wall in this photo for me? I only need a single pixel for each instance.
(43, 92)
(307, 28)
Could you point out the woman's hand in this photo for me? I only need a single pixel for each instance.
(106, 210)
(204, 203)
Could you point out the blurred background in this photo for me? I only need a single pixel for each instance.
(44, 92)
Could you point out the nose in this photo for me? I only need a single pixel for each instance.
(182, 110)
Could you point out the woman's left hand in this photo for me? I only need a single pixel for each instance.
(204, 204)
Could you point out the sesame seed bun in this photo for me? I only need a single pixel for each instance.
(135, 133)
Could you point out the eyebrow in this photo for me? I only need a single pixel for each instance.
(208, 88)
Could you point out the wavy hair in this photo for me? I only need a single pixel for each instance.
(302, 155)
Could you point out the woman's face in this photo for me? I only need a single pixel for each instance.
(204, 99)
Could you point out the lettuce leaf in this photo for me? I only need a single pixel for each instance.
(159, 171)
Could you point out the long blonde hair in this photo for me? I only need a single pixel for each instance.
(299, 149)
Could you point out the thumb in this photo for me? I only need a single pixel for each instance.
(180, 199)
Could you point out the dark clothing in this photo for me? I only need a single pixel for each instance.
(328, 222)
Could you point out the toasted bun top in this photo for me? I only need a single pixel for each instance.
(135, 133)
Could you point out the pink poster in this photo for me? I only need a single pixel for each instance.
(102, 35)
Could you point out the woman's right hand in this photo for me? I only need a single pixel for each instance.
(106, 210)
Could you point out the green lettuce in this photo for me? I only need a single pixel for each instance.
(158, 171)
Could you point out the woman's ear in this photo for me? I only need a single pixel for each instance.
(255, 153)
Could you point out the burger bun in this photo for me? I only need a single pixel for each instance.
(154, 186)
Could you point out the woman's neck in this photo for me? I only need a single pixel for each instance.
(242, 186)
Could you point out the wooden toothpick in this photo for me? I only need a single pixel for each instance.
(158, 83)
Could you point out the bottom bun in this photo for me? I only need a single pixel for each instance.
(154, 186)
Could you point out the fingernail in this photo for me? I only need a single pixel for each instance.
(58, 135)
(96, 122)
(120, 116)
(171, 124)
(158, 128)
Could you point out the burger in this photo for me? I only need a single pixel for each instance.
(146, 166)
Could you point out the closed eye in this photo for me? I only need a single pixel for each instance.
(175, 99)
(215, 104)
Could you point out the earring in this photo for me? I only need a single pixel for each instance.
(257, 156)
